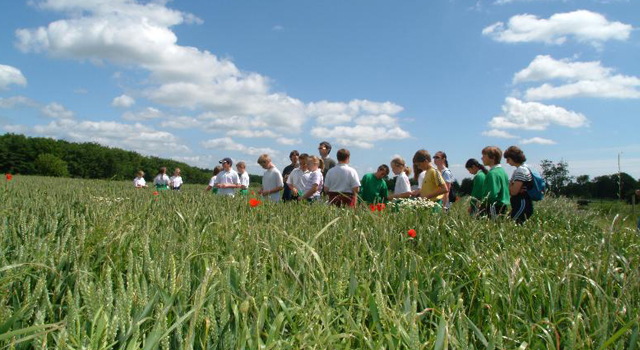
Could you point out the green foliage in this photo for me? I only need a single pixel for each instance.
(97, 264)
(49, 165)
(556, 175)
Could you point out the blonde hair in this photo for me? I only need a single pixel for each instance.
(407, 170)
(140, 173)
(177, 170)
(316, 160)
(241, 165)
(264, 159)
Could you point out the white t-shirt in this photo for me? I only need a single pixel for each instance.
(447, 175)
(161, 179)
(139, 182)
(295, 178)
(212, 182)
(342, 178)
(271, 179)
(313, 178)
(227, 177)
(421, 179)
(176, 181)
(402, 184)
(244, 180)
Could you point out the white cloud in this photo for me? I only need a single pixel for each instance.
(498, 133)
(582, 25)
(538, 141)
(17, 101)
(182, 122)
(136, 137)
(535, 116)
(252, 133)
(288, 142)
(383, 119)
(277, 28)
(57, 111)
(582, 79)
(227, 144)
(123, 101)
(361, 136)
(148, 113)
(11, 76)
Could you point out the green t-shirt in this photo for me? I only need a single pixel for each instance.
(496, 187)
(373, 190)
(478, 185)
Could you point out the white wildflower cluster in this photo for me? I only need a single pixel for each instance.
(416, 203)
(107, 200)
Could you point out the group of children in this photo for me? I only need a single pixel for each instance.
(311, 178)
(162, 181)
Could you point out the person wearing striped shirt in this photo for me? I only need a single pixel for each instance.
(521, 181)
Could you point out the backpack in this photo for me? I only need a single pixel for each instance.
(539, 186)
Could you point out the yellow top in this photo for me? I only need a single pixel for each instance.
(432, 180)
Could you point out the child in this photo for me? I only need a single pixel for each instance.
(521, 181)
(295, 179)
(312, 183)
(324, 149)
(227, 180)
(496, 183)
(161, 181)
(433, 186)
(403, 186)
(440, 159)
(139, 181)
(212, 186)
(272, 182)
(342, 183)
(418, 177)
(479, 171)
(374, 188)
(244, 178)
(176, 180)
(294, 157)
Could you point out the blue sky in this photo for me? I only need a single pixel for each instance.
(201, 80)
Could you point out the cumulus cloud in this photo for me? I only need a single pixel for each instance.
(123, 101)
(17, 101)
(227, 144)
(148, 113)
(11, 76)
(581, 25)
(499, 134)
(581, 79)
(361, 136)
(181, 122)
(253, 133)
(288, 141)
(136, 137)
(57, 111)
(535, 116)
(538, 141)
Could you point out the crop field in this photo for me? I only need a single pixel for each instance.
(87, 264)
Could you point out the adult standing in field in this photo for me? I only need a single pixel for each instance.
(325, 148)
(162, 181)
(228, 180)
(373, 188)
(139, 181)
(176, 180)
(293, 156)
(212, 182)
(342, 183)
(271, 179)
(521, 181)
(245, 181)
(295, 180)
(496, 183)
(433, 187)
(402, 188)
(479, 171)
(440, 159)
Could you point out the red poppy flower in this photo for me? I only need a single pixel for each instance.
(373, 207)
(9, 177)
(380, 206)
(252, 193)
(254, 202)
(155, 193)
(412, 233)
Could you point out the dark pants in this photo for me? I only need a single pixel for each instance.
(494, 210)
(340, 199)
(521, 208)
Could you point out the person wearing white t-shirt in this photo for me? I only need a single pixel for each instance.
(176, 180)
(162, 181)
(228, 180)
(139, 181)
(313, 180)
(402, 188)
(212, 183)
(271, 179)
(342, 183)
(295, 180)
(245, 181)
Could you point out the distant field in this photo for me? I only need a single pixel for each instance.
(88, 264)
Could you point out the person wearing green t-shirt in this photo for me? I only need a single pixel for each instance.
(496, 183)
(479, 171)
(373, 188)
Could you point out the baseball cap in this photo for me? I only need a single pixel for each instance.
(226, 160)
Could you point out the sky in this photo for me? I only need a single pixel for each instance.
(197, 81)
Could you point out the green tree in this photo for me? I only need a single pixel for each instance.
(556, 175)
(49, 165)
